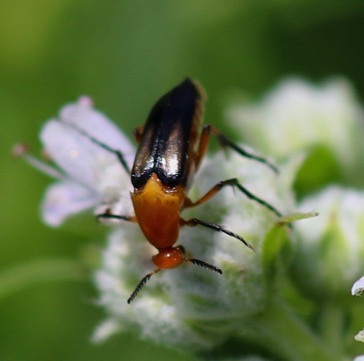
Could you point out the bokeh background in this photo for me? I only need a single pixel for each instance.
(125, 54)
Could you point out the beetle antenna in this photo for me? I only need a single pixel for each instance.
(141, 284)
(203, 264)
(119, 155)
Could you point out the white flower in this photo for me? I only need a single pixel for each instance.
(297, 115)
(330, 248)
(359, 336)
(172, 304)
(358, 287)
(87, 175)
(189, 306)
(357, 290)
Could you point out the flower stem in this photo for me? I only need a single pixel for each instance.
(45, 270)
(280, 330)
(331, 323)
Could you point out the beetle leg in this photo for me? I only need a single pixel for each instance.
(216, 227)
(234, 183)
(117, 152)
(204, 142)
(138, 132)
(116, 216)
(226, 142)
(211, 193)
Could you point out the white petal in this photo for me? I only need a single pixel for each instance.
(84, 161)
(97, 125)
(359, 336)
(359, 358)
(105, 330)
(358, 287)
(43, 166)
(64, 199)
(74, 154)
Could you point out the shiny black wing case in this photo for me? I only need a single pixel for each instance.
(164, 145)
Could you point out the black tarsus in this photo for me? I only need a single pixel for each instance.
(257, 199)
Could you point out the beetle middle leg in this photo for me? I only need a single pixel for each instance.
(233, 183)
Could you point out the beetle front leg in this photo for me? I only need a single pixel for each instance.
(102, 145)
(119, 217)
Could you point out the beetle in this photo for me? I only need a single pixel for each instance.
(172, 144)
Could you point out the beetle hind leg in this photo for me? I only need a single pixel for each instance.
(226, 142)
(138, 132)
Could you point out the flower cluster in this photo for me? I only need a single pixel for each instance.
(327, 123)
(189, 306)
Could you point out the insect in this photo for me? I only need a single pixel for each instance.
(172, 144)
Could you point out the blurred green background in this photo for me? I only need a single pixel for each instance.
(125, 54)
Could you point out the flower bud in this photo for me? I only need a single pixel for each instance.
(330, 247)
